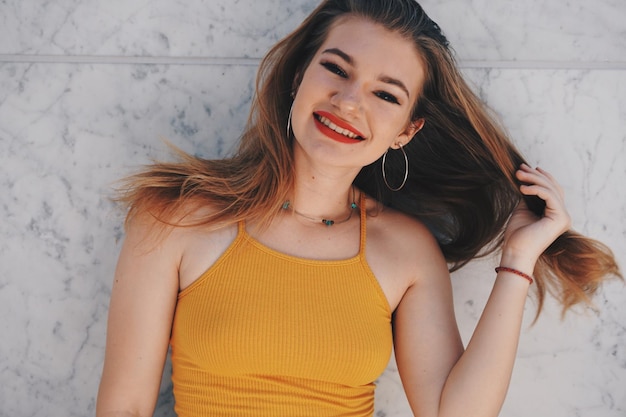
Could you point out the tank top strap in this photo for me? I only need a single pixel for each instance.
(363, 217)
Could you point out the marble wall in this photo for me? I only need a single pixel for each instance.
(89, 89)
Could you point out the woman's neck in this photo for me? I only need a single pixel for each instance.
(318, 194)
(320, 199)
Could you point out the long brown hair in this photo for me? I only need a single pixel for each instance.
(461, 182)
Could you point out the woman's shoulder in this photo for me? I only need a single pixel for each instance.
(405, 238)
(392, 225)
(173, 232)
(184, 239)
(402, 252)
(163, 220)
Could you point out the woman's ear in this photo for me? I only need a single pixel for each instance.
(408, 133)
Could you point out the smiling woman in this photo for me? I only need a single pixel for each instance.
(359, 89)
(278, 299)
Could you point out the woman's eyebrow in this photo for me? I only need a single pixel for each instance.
(340, 53)
(384, 78)
(396, 82)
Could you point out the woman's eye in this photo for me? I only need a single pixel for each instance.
(387, 97)
(335, 69)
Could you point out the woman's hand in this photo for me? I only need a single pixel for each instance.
(527, 235)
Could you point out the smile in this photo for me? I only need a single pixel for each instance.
(332, 128)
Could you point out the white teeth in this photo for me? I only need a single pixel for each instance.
(336, 128)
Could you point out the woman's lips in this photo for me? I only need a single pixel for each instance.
(336, 129)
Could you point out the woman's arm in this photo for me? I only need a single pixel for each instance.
(141, 310)
(440, 379)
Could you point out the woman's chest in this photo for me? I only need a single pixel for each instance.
(264, 313)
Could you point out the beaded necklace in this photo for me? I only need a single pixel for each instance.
(328, 222)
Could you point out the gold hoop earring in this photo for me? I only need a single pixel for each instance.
(406, 170)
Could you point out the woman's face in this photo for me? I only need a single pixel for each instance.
(356, 96)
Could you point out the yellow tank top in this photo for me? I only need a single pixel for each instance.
(262, 333)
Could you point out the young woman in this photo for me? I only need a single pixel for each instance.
(282, 276)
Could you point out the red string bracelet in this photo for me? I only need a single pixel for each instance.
(516, 272)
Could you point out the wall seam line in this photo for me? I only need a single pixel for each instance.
(209, 61)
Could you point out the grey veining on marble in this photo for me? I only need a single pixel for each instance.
(534, 30)
(69, 131)
(148, 27)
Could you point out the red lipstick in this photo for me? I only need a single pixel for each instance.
(340, 124)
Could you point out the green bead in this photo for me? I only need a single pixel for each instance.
(328, 222)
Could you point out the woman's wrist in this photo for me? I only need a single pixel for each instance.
(519, 263)
(515, 272)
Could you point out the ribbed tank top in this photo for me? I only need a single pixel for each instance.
(262, 333)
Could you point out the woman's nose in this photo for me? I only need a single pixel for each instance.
(347, 100)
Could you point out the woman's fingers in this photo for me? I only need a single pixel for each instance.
(527, 235)
(538, 182)
(542, 184)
